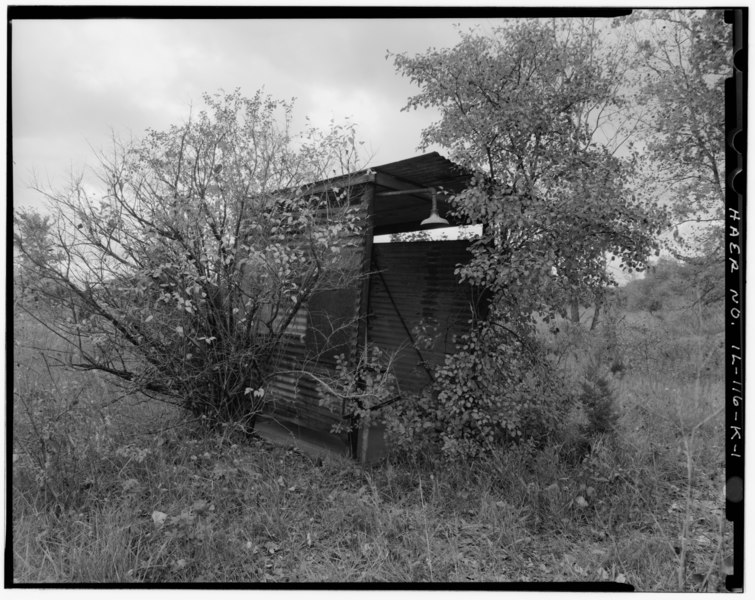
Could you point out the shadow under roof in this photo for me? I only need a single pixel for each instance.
(404, 212)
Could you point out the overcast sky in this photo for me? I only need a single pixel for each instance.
(76, 81)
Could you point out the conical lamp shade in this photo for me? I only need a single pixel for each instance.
(434, 218)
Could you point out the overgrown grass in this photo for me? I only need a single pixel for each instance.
(129, 492)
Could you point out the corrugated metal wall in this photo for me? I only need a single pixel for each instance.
(331, 323)
(417, 306)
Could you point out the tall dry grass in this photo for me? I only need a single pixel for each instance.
(110, 489)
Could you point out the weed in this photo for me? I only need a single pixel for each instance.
(134, 494)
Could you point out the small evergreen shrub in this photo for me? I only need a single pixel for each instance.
(599, 401)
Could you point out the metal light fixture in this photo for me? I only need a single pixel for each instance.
(434, 218)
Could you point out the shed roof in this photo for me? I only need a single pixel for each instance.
(404, 212)
(428, 170)
(406, 182)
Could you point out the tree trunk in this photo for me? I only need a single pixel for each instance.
(596, 314)
(574, 307)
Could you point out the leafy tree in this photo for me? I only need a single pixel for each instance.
(670, 284)
(194, 255)
(685, 58)
(523, 108)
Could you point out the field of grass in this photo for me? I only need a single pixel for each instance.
(112, 489)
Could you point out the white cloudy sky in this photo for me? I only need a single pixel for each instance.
(73, 82)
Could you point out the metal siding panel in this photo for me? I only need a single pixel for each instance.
(422, 284)
(296, 398)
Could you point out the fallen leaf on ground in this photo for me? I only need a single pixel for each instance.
(159, 517)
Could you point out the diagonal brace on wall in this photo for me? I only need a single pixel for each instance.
(423, 362)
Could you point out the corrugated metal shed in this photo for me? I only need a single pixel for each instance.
(411, 305)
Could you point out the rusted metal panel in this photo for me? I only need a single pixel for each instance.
(294, 396)
(417, 306)
(331, 325)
